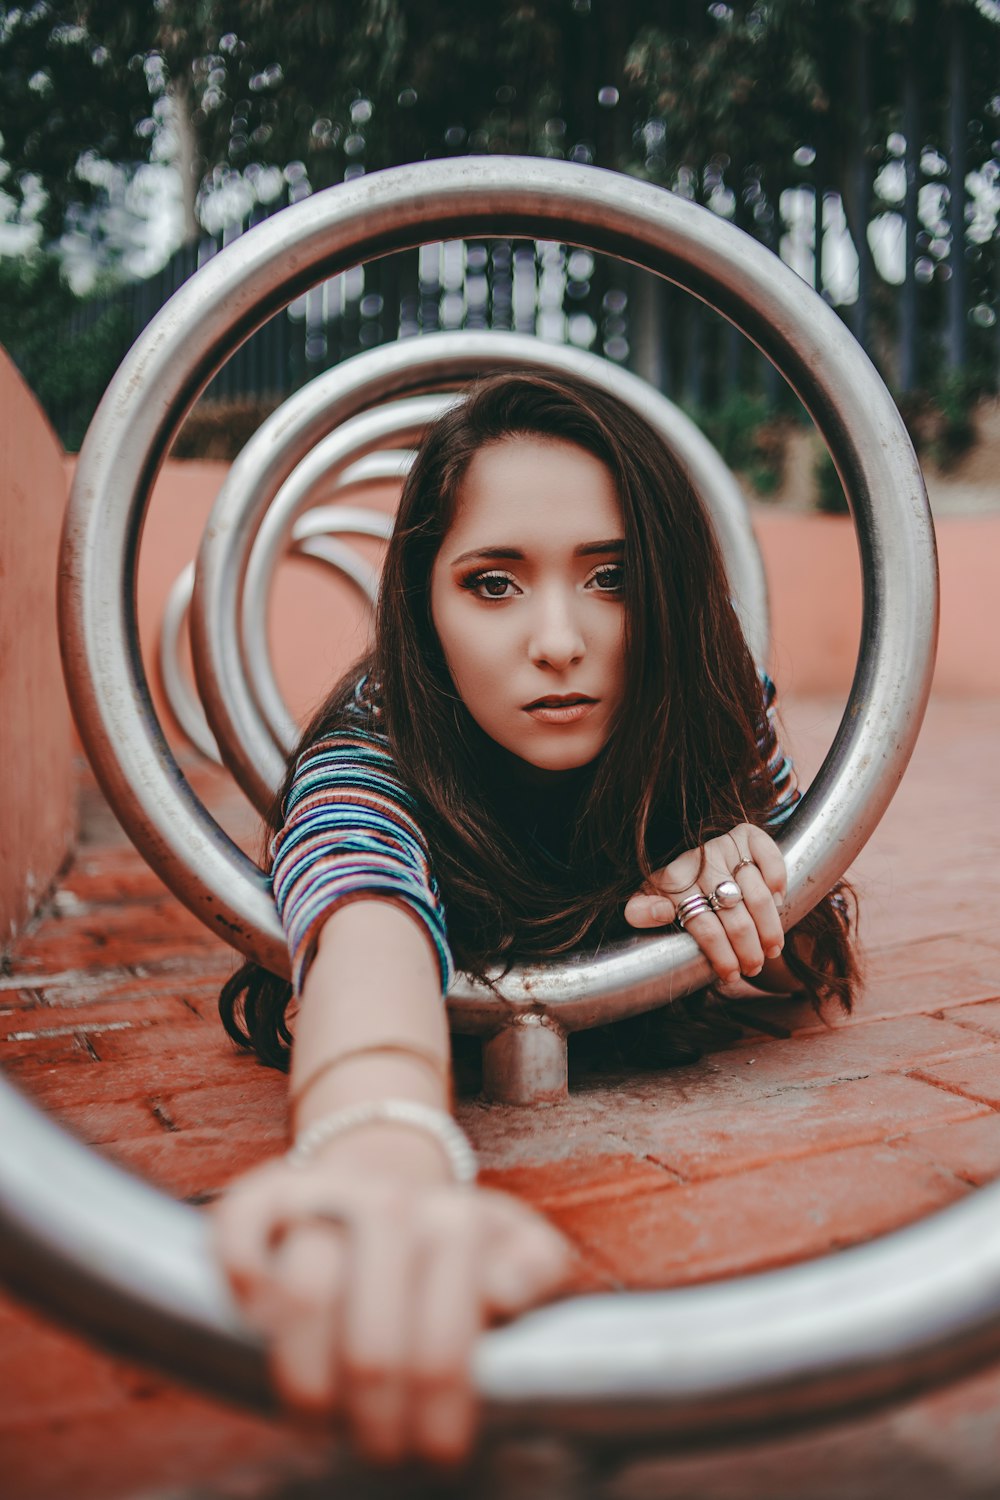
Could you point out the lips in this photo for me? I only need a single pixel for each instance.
(561, 708)
(560, 700)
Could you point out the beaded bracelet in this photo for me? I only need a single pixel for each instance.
(434, 1122)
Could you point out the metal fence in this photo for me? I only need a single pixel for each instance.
(557, 292)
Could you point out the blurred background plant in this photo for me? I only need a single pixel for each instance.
(858, 139)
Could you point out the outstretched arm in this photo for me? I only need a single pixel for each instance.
(371, 1272)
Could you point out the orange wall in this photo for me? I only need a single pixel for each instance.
(815, 583)
(36, 783)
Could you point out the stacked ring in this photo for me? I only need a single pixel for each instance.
(726, 895)
(692, 906)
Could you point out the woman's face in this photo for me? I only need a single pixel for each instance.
(526, 598)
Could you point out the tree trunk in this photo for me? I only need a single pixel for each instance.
(647, 320)
(956, 341)
(185, 156)
(817, 231)
(907, 375)
(857, 203)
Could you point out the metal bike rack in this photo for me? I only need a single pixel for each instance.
(887, 1318)
(527, 1016)
(314, 536)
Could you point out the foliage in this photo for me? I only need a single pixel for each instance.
(72, 90)
(221, 429)
(830, 497)
(711, 98)
(68, 371)
(733, 103)
(749, 438)
(942, 419)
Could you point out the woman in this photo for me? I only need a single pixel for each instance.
(560, 735)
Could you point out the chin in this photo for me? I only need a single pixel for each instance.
(559, 757)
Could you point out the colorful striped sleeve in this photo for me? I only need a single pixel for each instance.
(779, 768)
(350, 828)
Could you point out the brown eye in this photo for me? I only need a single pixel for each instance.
(491, 585)
(609, 579)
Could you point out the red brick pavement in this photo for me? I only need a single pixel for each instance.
(791, 1139)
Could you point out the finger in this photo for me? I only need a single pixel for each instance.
(242, 1225)
(769, 860)
(762, 908)
(528, 1262)
(649, 909)
(741, 930)
(711, 937)
(754, 924)
(656, 904)
(736, 921)
(377, 1321)
(448, 1316)
(302, 1310)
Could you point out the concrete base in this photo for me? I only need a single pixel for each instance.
(526, 1062)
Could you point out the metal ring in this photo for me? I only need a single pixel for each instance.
(184, 703)
(253, 724)
(210, 314)
(692, 906)
(275, 729)
(726, 895)
(741, 864)
(312, 537)
(329, 1217)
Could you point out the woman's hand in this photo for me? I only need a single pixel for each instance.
(373, 1285)
(736, 939)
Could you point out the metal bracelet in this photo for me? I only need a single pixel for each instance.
(434, 1122)
(426, 1055)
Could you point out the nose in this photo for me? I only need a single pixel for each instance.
(556, 639)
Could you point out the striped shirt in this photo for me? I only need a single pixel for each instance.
(351, 828)
(777, 765)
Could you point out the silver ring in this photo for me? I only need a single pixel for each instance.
(333, 1217)
(692, 906)
(726, 895)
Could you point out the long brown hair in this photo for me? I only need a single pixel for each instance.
(683, 766)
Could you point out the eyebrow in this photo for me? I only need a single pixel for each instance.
(515, 554)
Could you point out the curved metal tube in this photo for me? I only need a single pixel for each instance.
(246, 685)
(240, 287)
(311, 537)
(259, 767)
(118, 1259)
(183, 701)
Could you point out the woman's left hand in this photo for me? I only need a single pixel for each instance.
(736, 939)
